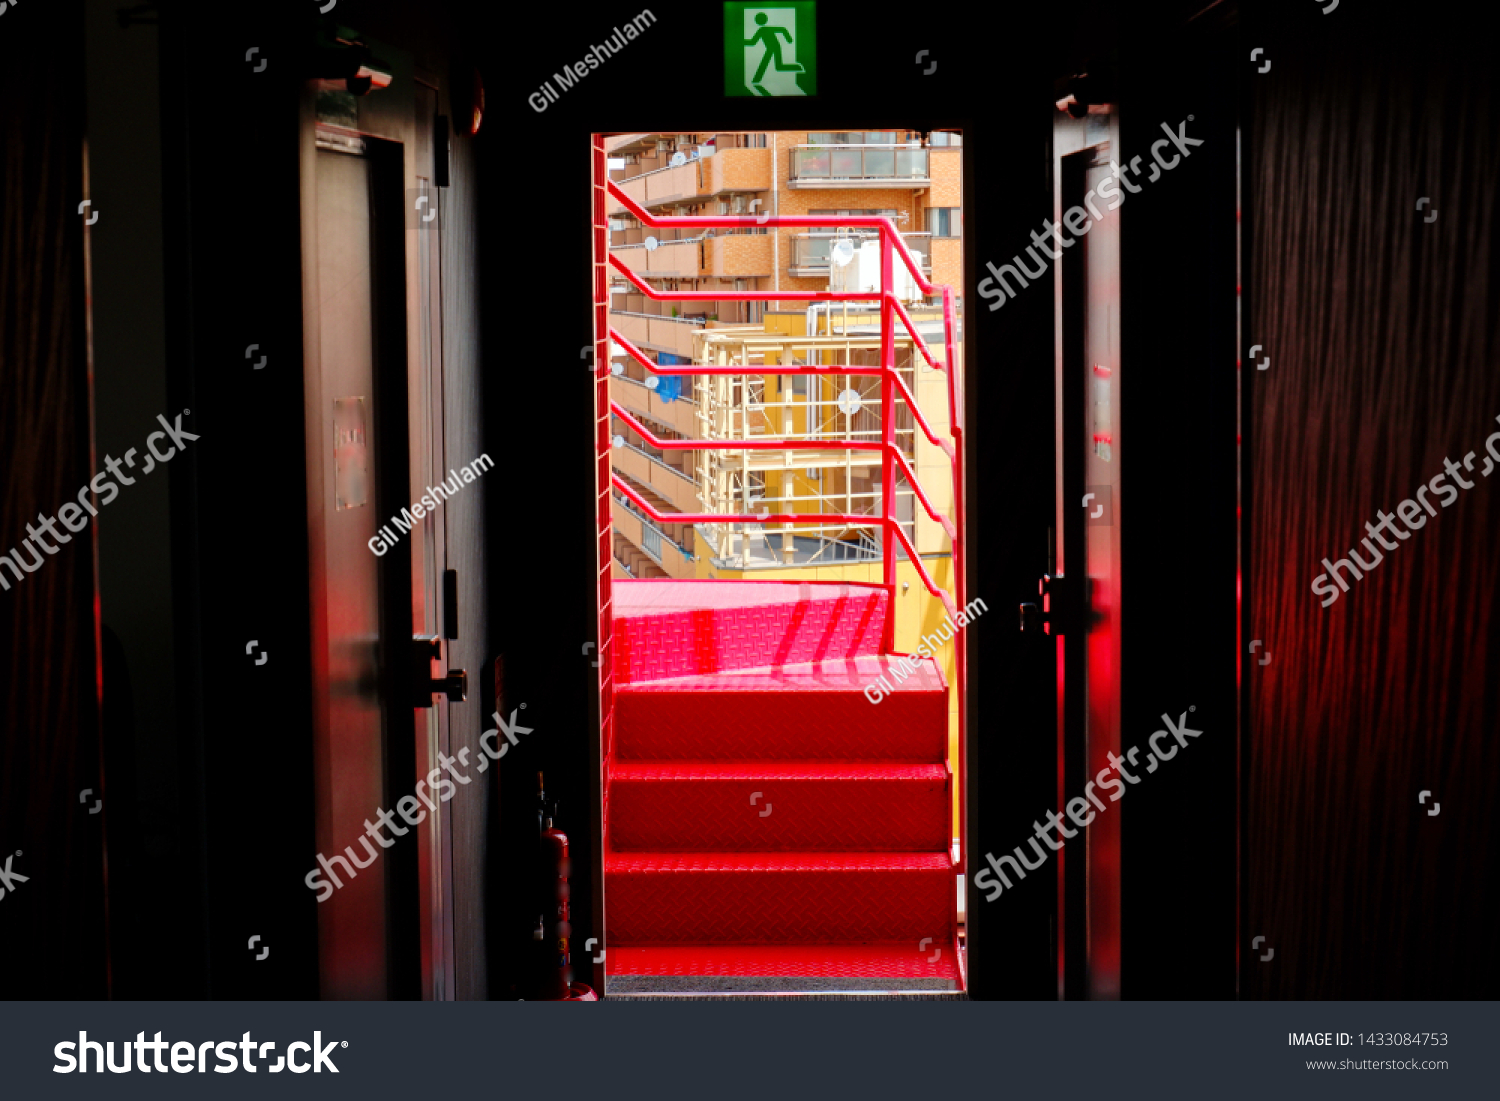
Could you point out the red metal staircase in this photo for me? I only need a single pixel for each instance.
(766, 827)
(756, 798)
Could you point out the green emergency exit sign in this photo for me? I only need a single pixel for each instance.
(771, 49)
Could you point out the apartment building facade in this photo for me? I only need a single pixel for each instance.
(913, 179)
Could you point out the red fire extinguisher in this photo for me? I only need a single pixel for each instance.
(557, 966)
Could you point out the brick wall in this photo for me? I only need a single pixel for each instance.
(740, 170)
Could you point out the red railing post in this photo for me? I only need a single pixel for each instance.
(603, 534)
(888, 426)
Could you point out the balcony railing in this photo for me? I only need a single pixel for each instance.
(843, 165)
(653, 538)
(657, 461)
(810, 251)
(679, 414)
(681, 259)
(661, 333)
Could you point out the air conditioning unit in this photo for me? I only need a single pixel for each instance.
(861, 274)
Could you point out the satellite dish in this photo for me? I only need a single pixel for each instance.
(849, 402)
(678, 160)
(652, 383)
(617, 368)
(619, 441)
(651, 243)
(842, 251)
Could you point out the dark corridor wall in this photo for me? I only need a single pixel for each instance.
(1381, 329)
(52, 923)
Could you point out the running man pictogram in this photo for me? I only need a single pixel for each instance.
(773, 50)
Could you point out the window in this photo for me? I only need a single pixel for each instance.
(853, 137)
(944, 221)
(943, 139)
(799, 385)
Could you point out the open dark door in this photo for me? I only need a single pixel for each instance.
(358, 475)
(1089, 558)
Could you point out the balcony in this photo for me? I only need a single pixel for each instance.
(669, 260)
(810, 251)
(669, 483)
(658, 333)
(617, 145)
(675, 559)
(680, 415)
(739, 170)
(663, 186)
(855, 166)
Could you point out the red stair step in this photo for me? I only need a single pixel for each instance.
(684, 628)
(801, 807)
(710, 968)
(778, 898)
(812, 711)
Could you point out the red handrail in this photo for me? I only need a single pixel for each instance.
(892, 245)
(854, 519)
(749, 221)
(774, 443)
(840, 369)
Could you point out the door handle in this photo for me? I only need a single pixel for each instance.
(1059, 605)
(455, 685)
(425, 650)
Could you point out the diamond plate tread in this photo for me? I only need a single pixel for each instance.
(810, 711)
(778, 806)
(635, 598)
(905, 960)
(684, 628)
(763, 899)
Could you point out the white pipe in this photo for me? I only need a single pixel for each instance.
(775, 213)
